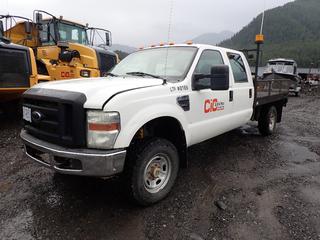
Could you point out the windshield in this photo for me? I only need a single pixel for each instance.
(171, 63)
(72, 33)
(67, 32)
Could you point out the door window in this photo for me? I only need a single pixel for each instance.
(208, 59)
(238, 68)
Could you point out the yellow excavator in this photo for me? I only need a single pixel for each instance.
(60, 49)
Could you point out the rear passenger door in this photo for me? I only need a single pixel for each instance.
(241, 89)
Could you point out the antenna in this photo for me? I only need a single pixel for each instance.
(262, 22)
(263, 13)
(170, 19)
(169, 36)
(259, 40)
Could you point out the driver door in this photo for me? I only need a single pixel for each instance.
(208, 116)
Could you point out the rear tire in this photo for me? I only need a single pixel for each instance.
(267, 121)
(151, 170)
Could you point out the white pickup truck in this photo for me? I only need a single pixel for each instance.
(140, 120)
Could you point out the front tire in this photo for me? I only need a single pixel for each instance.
(267, 121)
(152, 170)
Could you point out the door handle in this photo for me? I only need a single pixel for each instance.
(231, 96)
(250, 93)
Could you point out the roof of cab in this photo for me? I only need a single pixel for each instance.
(200, 46)
(281, 60)
(66, 21)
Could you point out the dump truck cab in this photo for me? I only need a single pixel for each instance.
(66, 50)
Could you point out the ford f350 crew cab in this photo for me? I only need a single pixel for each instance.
(140, 120)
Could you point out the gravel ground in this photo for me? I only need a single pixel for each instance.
(238, 186)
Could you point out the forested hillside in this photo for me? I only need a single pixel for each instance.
(291, 31)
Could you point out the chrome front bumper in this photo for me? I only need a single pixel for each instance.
(86, 162)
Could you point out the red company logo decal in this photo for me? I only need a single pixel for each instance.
(213, 105)
(65, 74)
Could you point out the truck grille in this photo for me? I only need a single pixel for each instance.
(56, 116)
(15, 69)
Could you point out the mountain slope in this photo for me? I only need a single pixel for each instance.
(213, 38)
(291, 31)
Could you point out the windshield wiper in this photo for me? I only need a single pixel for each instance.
(142, 74)
(111, 74)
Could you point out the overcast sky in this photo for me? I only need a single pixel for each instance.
(144, 22)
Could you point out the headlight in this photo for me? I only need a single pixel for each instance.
(85, 73)
(103, 129)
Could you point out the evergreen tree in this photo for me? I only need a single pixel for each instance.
(291, 31)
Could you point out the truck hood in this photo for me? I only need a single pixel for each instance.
(100, 90)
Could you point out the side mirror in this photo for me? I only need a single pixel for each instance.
(1, 29)
(220, 77)
(2, 37)
(38, 18)
(108, 42)
(44, 33)
(217, 80)
(27, 27)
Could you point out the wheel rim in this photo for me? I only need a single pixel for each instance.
(272, 120)
(157, 173)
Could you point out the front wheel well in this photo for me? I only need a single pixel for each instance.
(168, 128)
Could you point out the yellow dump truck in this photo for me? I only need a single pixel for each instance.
(18, 70)
(62, 49)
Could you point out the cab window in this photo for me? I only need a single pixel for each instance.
(238, 68)
(208, 59)
(47, 34)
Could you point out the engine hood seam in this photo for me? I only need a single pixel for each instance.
(127, 90)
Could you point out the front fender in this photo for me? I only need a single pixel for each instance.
(131, 124)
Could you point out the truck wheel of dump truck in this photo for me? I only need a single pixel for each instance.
(152, 170)
(267, 121)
